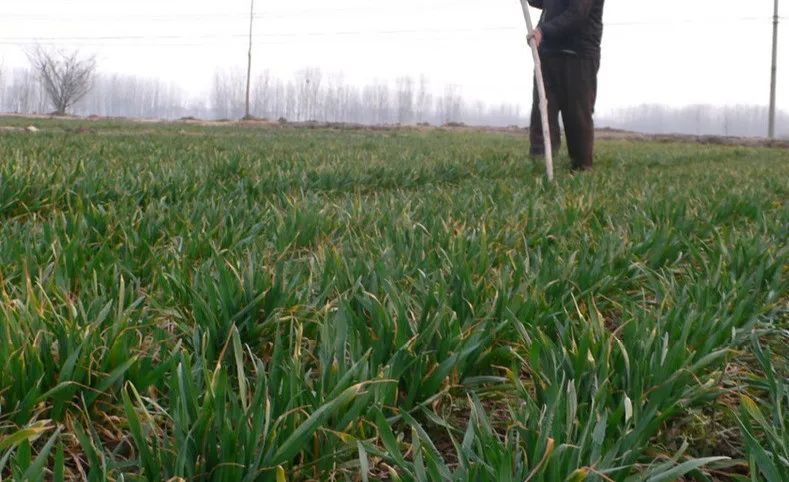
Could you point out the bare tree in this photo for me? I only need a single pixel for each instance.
(309, 83)
(278, 99)
(382, 104)
(333, 98)
(66, 76)
(22, 93)
(262, 96)
(450, 105)
(405, 100)
(291, 108)
(424, 100)
(228, 94)
(2, 88)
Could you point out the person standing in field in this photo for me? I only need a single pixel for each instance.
(568, 35)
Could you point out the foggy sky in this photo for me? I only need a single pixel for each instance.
(674, 52)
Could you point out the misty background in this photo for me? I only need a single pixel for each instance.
(313, 95)
(697, 67)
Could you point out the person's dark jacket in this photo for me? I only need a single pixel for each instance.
(572, 26)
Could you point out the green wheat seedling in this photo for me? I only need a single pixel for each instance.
(224, 304)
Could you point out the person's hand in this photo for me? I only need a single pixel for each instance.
(536, 36)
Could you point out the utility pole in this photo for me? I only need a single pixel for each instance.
(249, 59)
(774, 76)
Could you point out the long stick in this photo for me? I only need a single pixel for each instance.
(546, 128)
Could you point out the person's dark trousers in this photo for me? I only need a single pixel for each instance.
(571, 88)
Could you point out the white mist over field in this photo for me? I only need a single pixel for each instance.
(470, 57)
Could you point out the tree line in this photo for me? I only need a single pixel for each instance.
(736, 120)
(312, 95)
(57, 81)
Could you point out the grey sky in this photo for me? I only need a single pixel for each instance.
(675, 52)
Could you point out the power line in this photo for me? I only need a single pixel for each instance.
(299, 13)
(211, 15)
(259, 16)
(120, 16)
(267, 35)
(196, 40)
(299, 34)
